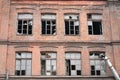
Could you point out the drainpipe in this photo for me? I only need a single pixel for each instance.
(102, 56)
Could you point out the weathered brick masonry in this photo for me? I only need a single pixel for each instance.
(12, 41)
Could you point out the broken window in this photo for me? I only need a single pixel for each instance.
(73, 64)
(94, 24)
(71, 24)
(97, 65)
(48, 63)
(49, 24)
(24, 24)
(23, 64)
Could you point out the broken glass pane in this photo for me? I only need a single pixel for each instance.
(78, 72)
(98, 72)
(71, 16)
(23, 72)
(73, 67)
(48, 73)
(17, 72)
(18, 55)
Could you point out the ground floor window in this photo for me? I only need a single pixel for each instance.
(98, 65)
(48, 63)
(23, 63)
(73, 64)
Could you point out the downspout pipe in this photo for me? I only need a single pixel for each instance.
(112, 68)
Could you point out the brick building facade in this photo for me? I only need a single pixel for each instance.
(59, 39)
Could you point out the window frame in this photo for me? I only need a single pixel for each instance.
(50, 59)
(75, 32)
(22, 25)
(75, 59)
(25, 59)
(89, 18)
(51, 26)
(95, 64)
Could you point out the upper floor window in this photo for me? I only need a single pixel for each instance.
(98, 65)
(25, 24)
(94, 24)
(49, 24)
(48, 63)
(73, 64)
(71, 24)
(23, 63)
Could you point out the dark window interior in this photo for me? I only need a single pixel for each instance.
(24, 27)
(97, 28)
(49, 27)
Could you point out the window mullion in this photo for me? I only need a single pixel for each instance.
(27, 27)
(92, 29)
(45, 26)
(22, 26)
(20, 67)
(50, 26)
(69, 27)
(74, 26)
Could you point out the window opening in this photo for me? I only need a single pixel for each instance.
(94, 24)
(98, 65)
(49, 24)
(71, 24)
(23, 64)
(25, 24)
(48, 63)
(73, 64)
